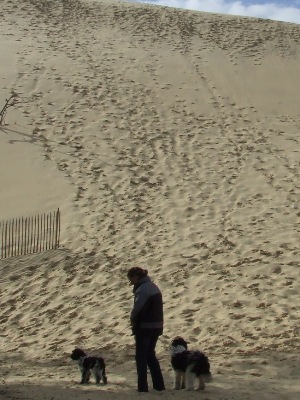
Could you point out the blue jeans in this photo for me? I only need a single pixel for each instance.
(145, 357)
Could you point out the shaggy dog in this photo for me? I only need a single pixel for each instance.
(89, 364)
(188, 366)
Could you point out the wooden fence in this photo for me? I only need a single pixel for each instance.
(30, 234)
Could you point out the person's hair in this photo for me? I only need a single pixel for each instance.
(137, 271)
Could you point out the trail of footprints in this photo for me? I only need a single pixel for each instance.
(175, 178)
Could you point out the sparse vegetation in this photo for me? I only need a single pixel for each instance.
(8, 103)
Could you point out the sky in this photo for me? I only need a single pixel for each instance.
(278, 10)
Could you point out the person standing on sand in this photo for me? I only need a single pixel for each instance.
(147, 325)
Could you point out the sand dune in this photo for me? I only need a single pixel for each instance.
(168, 139)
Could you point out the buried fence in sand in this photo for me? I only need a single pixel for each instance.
(27, 235)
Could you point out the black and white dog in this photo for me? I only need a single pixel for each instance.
(188, 366)
(89, 364)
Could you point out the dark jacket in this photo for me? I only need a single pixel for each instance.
(147, 313)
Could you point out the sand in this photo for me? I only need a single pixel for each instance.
(169, 139)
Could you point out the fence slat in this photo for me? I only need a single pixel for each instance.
(12, 246)
(25, 235)
(52, 230)
(18, 240)
(5, 240)
(47, 232)
(57, 228)
(1, 239)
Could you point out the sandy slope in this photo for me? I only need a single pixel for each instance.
(168, 139)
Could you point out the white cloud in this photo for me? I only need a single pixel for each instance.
(275, 10)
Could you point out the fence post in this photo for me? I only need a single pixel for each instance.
(57, 228)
